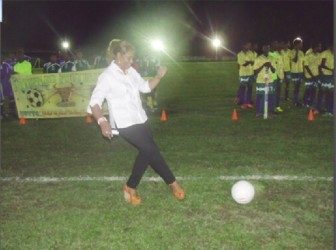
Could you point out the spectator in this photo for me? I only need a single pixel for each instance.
(22, 66)
(297, 58)
(100, 61)
(286, 53)
(153, 66)
(311, 65)
(11, 59)
(263, 68)
(278, 75)
(52, 66)
(80, 63)
(25, 57)
(68, 65)
(6, 89)
(245, 59)
(327, 81)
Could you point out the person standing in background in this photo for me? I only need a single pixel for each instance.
(80, 63)
(285, 52)
(6, 89)
(311, 65)
(264, 67)
(22, 66)
(297, 58)
(52, 66)
(245, 59)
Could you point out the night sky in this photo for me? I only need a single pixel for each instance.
(185, 26)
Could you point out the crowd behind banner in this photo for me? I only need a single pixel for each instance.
(51, 94)
(276, 66)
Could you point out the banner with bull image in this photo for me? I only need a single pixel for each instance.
(54, 95)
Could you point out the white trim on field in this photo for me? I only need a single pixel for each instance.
(45, 179)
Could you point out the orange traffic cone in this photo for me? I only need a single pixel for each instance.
(88, 118)
(311, 115)
(163, 116)
(22, 120)
(234, 115)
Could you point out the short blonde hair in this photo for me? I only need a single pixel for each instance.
(118, 46)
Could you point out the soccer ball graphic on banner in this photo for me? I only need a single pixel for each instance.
(242, 192)
(34, 98)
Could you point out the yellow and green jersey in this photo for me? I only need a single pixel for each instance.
(286, 58)
(329, 62)
(277, 59)
(310, 50)
(280, 68)
(297, 67)
(242, 58)
(255, 55)
(23, 68)
(261, 77)
(312, 61)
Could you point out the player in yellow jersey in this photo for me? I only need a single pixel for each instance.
(255, 50)
(310, 49)
(245, 60)
(297, 58)
(263, 68)
(285, 53)
(255, 55)
(327, 84)
(311, 64)
(278, 75)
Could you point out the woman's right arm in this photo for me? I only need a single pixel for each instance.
(97, 98)
(105, 126)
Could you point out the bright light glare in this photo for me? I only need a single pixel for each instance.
(216, 42)
(157, 45)
(65, 44)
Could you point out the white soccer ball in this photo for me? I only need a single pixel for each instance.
(242, 192)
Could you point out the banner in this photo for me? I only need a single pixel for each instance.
(54, 95)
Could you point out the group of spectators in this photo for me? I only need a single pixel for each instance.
(13, 64)
(146, 65)
(279, 64)
(19, 63)
(65, 63)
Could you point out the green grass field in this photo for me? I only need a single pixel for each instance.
(201, 143)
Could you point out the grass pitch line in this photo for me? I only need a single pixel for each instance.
(277, 178)
(45, 179)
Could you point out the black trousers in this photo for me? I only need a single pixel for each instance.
(140, 136)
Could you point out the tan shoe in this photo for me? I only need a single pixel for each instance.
(177, 190)
(131, 196)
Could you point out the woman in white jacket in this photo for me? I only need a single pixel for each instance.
(120, 85)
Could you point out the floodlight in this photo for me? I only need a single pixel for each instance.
(157, 44)
(216, 42)
(65, 44)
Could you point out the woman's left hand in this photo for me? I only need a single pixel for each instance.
(161, 72)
